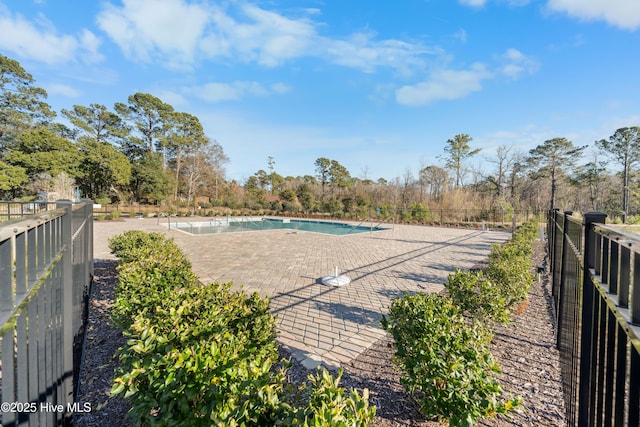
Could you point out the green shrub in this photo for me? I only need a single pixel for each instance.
(421, 213)
(478, 296)
(102, 200)
(510, 265)
(445, 362)
(152, 269)
(115, 215)
(329, 405)
(204, 359)
(207, 358)
(493, 295)
(125, 245)
(512, 275)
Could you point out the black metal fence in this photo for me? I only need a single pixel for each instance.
(46, 265)
(15, 210)
(596, 288)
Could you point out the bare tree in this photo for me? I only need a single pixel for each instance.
(408, 186)
(202, 163)
(505, 159)
(435, 180)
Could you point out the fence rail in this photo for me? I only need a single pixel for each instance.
(597, 301)
(46, 265)
(15, 210)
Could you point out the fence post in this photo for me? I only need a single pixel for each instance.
(67, 305)
(588, 298)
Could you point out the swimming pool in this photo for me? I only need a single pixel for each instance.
(256, 224)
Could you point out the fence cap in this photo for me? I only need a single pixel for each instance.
(594, 217)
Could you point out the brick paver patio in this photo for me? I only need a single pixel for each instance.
(319, 323)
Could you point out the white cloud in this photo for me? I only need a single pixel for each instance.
(576, 41)
(240, 31)
(271, 39)
(62, 89)
(516, 63)
(382, 92)
(171, 97)
(461, 35)
(474, 3)
(611, 124)
(444, 85)
(481, 3)
(363, 52)
(40, 41)
(256, 35)
(521, 139)
(219, 92)
(145, 28)
(91, 44)
(620, 13)
(280, 88)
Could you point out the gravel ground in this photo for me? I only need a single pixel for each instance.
(525, 350)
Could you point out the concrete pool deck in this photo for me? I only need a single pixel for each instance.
(320, 324)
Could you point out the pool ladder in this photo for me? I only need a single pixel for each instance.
(363, 221)
(249, 222)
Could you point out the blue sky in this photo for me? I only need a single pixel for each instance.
(377, 85)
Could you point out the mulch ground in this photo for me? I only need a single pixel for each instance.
(524, 349)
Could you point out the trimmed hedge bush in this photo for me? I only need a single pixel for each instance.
(493, 295)
(445, 361)
(204, 355)
(126, 245)
(478, 296)
(510, 265)
(205, 358)
(152, 268)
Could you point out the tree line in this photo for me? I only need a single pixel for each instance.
(144, 151)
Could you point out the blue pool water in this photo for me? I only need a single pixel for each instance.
(234, 225)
